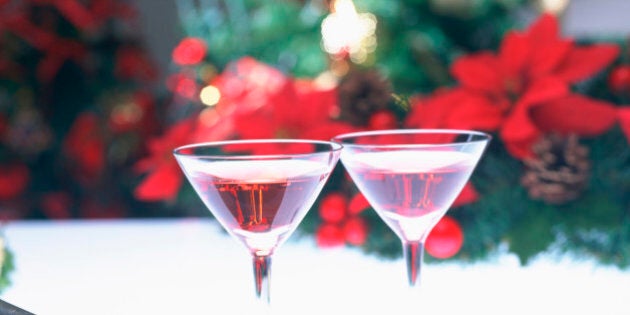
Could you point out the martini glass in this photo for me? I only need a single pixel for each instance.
(411, 177)
(259, 190)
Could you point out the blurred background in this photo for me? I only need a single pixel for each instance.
(95, 94)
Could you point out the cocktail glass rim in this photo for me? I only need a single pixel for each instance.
(178, 151)
(353, 135)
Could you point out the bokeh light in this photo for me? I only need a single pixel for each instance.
(346, 32)
(210, 95)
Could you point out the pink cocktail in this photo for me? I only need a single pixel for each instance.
(411, 177)
(259, 190)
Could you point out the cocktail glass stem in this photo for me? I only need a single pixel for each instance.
(413, 251)
(262, 271)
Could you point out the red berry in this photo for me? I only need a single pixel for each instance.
(619, 79)
(355, 231)
(329, 235)
(358, 203)
(446, 239)
(383, 120)
(333, 207)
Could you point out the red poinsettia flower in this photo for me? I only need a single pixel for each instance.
(164, 175)
(559, 115)
(297, 111)
(532, 72)
(257, 101)
(85, 146)
(14, 179)
(453, 109)
(383, 119)
(56, 50)
(247, 84)
(244, 86)
(134, 63)
(624, 121)
(268, 105)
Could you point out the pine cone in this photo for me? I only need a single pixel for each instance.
(559, 171)
(362, 93)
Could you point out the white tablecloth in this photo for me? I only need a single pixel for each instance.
(190, 266)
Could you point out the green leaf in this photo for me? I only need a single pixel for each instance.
(532, 233)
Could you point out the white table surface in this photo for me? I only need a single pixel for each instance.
(189, 266)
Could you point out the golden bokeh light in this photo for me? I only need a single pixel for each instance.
(554, 6)
(345, 31)
(210, 95)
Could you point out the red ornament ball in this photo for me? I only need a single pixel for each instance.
(189, 51)
(333, 207)
(619, 79)
(446, 239)
(85, 146)
(329, 235)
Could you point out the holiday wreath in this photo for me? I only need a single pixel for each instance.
(556, 176)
